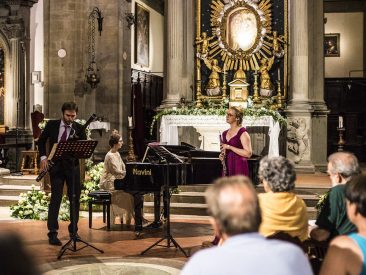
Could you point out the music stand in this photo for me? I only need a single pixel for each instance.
(80, 149)
(168, 236)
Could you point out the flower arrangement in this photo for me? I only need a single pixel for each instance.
(34, 205)
(93, 174)
(219, 109)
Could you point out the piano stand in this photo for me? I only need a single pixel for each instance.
(168, 236)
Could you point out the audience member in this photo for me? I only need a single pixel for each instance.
(332, 219)
(235, 216)
(347, 254)
(14, 259)
(282, 210)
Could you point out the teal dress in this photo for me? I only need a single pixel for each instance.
(361, 242)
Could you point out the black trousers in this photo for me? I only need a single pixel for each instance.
(138, 203)
(61, 172)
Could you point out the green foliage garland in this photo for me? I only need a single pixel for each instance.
(219, 109)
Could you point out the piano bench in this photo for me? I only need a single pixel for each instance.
(104, 198)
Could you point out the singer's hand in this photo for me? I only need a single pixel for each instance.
(44, 165)
(225, 147)
(222, 156)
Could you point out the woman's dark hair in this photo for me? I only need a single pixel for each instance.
(70, 106)
(114, 139)
(356, 193)
(238, 114)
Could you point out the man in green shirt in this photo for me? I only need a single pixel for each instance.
(332, 220)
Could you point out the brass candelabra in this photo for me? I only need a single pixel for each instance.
(131, 157)
(341, 141)
(256, 97)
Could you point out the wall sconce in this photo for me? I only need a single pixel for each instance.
(98, 14)
(131, 19)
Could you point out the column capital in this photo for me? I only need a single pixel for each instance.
(14, 30)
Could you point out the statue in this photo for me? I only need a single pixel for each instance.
(278, 51)
(266, 86)
(298, 138)
(213, 85)
(205, 44)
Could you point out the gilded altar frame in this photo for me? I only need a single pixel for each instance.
(257, 11)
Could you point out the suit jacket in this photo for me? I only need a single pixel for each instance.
(51, 131)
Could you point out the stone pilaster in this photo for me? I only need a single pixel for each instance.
(316, 84)
(174, 61)
(299, 111)
(15, 97)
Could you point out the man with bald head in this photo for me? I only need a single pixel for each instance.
(332, 219)
(235, 216)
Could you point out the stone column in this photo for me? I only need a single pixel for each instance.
(174, 62)
(299, 111)
(316, 84)
(15, 96)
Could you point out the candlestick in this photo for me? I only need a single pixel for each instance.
(279, 74)
(340, 122)
(130, 121)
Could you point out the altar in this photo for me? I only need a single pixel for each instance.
(210, 127)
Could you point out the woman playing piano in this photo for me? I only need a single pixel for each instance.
(114, 168)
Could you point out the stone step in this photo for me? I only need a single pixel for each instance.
(20, 180)
(199, 197)
(15, 190)
(306, 190)
(200, 209)
(8, 200)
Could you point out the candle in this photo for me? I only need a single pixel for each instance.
(130, 121)
(279, 74)
(340, 122)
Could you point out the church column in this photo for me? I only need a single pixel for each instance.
(16, 97)
(299, 111)
(174, 62)
(316, 81)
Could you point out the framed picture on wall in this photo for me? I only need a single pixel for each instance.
(142, 32)
(332, 45)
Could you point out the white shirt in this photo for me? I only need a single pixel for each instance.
(249, 253)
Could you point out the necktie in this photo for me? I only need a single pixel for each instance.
(64, 134)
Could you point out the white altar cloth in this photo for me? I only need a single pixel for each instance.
(210, 127)
(99, 125)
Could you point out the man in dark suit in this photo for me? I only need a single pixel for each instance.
(66, 169)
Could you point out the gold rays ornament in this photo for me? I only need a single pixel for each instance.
(243, 32)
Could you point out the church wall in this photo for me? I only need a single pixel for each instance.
(350, 27)
(156, 58)
(66, 27)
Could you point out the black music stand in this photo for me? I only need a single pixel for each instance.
(168, 236)
(80, 149)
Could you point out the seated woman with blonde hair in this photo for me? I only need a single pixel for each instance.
(114, 168)
(347, 254)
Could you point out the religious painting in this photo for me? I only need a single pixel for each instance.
(332, 45)
(242, 29)
(142, 33)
